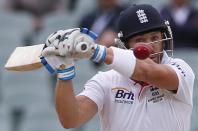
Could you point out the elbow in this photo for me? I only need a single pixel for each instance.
(68, 119)
(68, 123)
(68, 126)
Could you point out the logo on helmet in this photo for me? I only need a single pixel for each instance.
(142, 16)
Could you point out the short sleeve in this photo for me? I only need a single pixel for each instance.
(95, 89)
(186, 80)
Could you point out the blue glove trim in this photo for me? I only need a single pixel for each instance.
(95, 53)
(90, 33)
(84, 30)
(99, 55)
(67, 78)
(103, 56)
(93, 35)
(47, 66)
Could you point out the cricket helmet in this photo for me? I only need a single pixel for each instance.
(140, 19)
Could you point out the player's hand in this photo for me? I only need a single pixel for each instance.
(62, 66)
(69, 43)
(87, 47)
(52, 57)
(76, 43)
(54, 42)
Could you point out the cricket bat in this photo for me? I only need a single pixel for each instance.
(25, 58)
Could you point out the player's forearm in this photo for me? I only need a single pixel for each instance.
(66, 104)
(142, 70)
(155, 74)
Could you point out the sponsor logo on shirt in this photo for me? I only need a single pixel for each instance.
(156, 95)
(123, 95)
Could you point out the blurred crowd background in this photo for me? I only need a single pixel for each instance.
(26, 99)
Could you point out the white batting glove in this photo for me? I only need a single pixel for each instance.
(83, 46)
(53, 62)
(62, 66)
(75, 43)
(55, 40)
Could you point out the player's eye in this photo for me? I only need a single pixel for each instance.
(155, 38)
(140, 40)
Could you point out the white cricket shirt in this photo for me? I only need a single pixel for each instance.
(125, 105)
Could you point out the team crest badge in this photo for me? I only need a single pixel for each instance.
(142, 16)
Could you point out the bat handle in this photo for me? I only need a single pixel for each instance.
(82, 47)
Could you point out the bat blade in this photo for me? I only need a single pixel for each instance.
(25, 58)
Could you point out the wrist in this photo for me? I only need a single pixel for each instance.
(66, 74)
(64, 68)
(123, 61)
(109, 56)
(99, 55)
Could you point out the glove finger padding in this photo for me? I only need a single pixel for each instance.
(54, 36)
(79, 44)
(61, 42)
(66, 44)
(49, 51)
(76, 43)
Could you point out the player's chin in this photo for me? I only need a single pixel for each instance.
(153, 58)
(156, 59)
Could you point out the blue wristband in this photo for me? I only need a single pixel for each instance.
(99, 55)
(66, 74)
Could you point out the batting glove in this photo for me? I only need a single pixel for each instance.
(62, 66)
(55, 42)
(51, 59)
(76, 43)
(82, 45)
(86, 44)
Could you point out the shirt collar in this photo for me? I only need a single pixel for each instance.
(165, 58)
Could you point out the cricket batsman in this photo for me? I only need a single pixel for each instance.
(151, 94)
